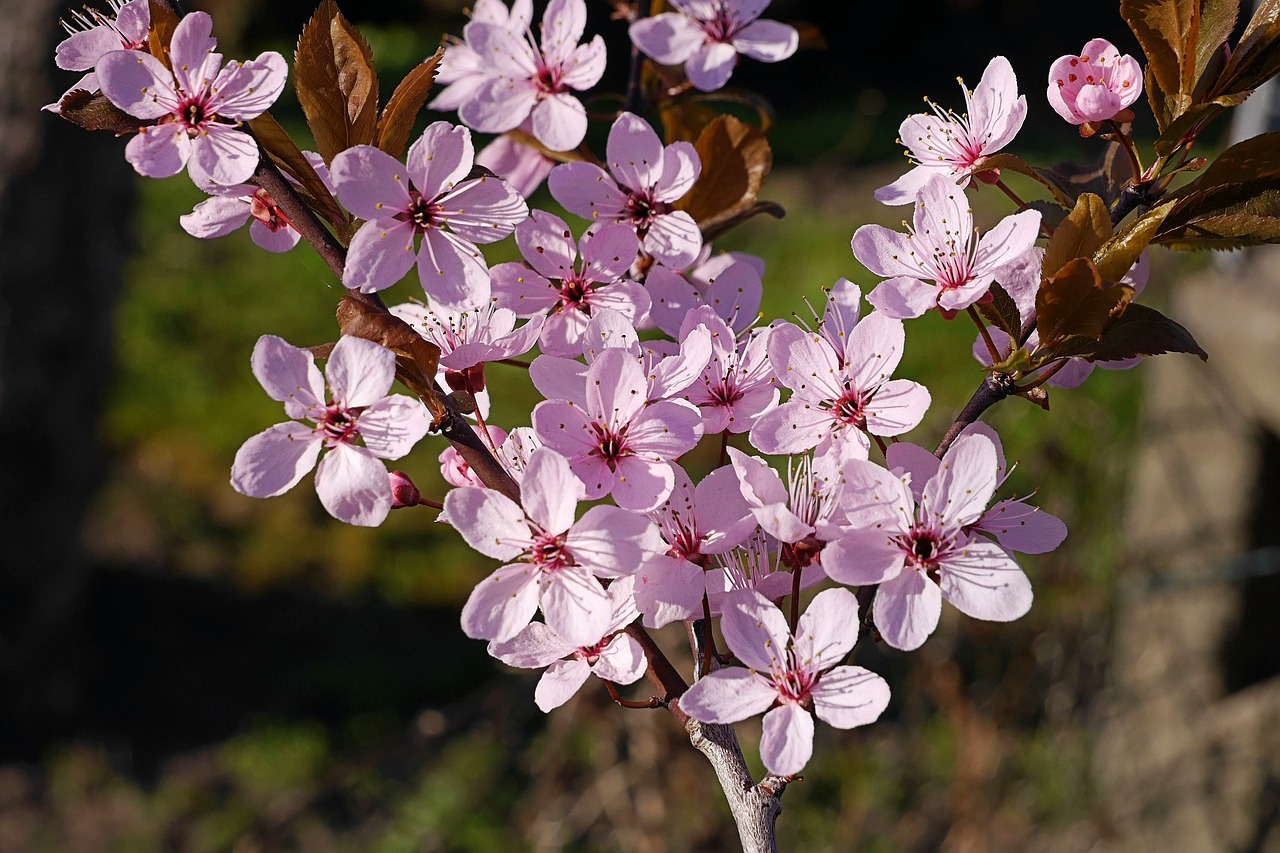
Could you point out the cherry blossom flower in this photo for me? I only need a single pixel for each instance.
(351, 482)
(431, 198)
(461, 69)
(1096, 85)
(730, 283)
(92, 34)
(614, 657)
(790, 678)
(616, 443)
(552, 561)
(737, 386)
(940, 262)
(757, 564)
(643, 182)
(196, 107)
(836, 400)
(522, 166)
(565, 290)
(708, 35)
(954, 145)
(470, 337)
(525, 82)
(1014, 523)
(697, 522)
(454, 467)
(922, 553)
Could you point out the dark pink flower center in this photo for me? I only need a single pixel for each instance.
(794, 684)
(611, 445)
(193, 112)
(549, 552)
(641, 209)
(574, 290)
(264, 209)
(720, 28)
(422, 214)
(849, 407)
(339, 425)
(549, 79)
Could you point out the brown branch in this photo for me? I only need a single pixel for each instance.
(635, 97)
(994, 388)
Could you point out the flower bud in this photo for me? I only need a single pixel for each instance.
(403, 492)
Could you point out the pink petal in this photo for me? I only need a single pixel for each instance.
(1007, 242)
(767, 41)
(534, 647)
(755, 630)
(680, 169)
(440, 158)
(585, 66)
(805, 363)
(491, 523)
(609, 251)
(393, 425)
(483, 210)
(81, 51)
(1021, 527)
(903, 298)
(711, 66)
(222, 155)
(360, 372)
(273, 461)
(559, 684)
(616, 388)
(586, 190)
(190, 50)
(786, 743)
(905, 189)
(873, 351)
(254, 87)
(863, 558)
(158, 152)
(452, 271)
(559, 122)
(520, 165)
(984, 582)
(907, 609)
(547, 245)
(288, 374)
(674, 239)
(611, 541)
(563, 24)
(827, 630)
(370, 183)
(502, 50)
(215, 217)
(849, 696)
(500, 104)
(550, 492)
(137, 83)
(353, 486)
(793, 427)
(728, 695)
(501, 604)
(669, 589)
(897, 407)
(622, 661)
(965, 481)
(281, 240)
(575, 605)
(642, 484)
(380, 254)
(912, 460)
(634, 153)
(996, 112)
(673, 297)
(558, 378)
(669, 38)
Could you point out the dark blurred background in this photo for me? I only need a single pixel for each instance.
(183, 668)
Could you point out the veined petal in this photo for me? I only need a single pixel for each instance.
(674, 239)
(370, 183)
(559, 683)
(223, 156)
(873, 351)
(863, 558)
(575, 605)
(550, 492)
(380, 254)
(904, 297)
(681, 167)
(500, 104)
(849, 696)
(585, 66)
(610, 541)
(634, 153)
(669, 38)
(586, 190)
(711, 65)
(547, 244)
(767, 41)
(964, 484)
(755, 630)
(534, 647)
(501, 604)
(253, 88)
(393, 425)
(793, 427)
(805, 363)
(353, 486)
(898, 406)
(360, 372)
(728, 695)
(786, 743)
(907, 609)
(827, 630)
(622, 661)
(440, 158)
(483, 210)
(490, 522)
(160, 151)
(669, 589)
(288, 374)
(983, 581)
(452, 270)
(273, 461)
(1021, 527)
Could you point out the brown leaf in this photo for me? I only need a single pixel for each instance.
(1104, 177)
(284, 152)
(336, 82)
(1076, 301)
(92, 111)
(735, 160)
(730, 219)
(1141, 331)
(1014, 163)
(398, 116)
(1114, 257)
(1253, 159)
(1002, 312)
(1081, 234)
(417, 359)
(164, 20)
(684, 120)
(1168, 31)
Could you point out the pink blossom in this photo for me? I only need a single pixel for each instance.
(461, 70)
(737, 386)
(351, 482)
(806, 508)
(920, 554)
(92, 34)
(527, 82)
(552, 561)
(940, 262)
(643, 182)
(433, 198)
(614, 657)
(404, 493)
(616, 443)
(196, 107)
(790, 678)
(471, 337)
(454, 467)
(757, 564)
(953, 145)
(730, 283)
(834, 399)
(565, 290)
(1014, 523)
(1094, 86)
(522, 166)
(697, 522)
(708, 35)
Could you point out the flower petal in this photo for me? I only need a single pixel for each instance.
(786, 743)
(273, 461)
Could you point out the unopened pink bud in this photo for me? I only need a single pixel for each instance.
(403, 492)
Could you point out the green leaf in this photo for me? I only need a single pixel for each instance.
(396, 122)
(1082, 233)
(1114, 257)
(336, 82)
(1076, 301)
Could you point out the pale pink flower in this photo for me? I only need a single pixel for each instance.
(454, 467)
(616, 443)
(737, 386)
(708, 35)
(615, 657)
(839, 398)
(522, 166)
(92, 34)
(643, 182)
(432, 198)
(790, 678)
(552, 561)
(567, 283)
(471, 337)
(1095, 85)
(757, 564)
(920, 554)
(351, 482)
(730, 283)
(940, 262)
(696, 522)
(954, 145)
(196, 107)
(527, 82)
(461, 70)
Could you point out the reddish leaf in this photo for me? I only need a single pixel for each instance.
(1114, 257)
(1141, 331)
(284, 152)
(1076, 301)
(398, 116)
(1002, 312)
(1082, 233)
(336, 82)
(735, 160)
(164, 20)
(417, 359)
(92, 111)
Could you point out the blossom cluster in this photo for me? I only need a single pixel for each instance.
(649, 341)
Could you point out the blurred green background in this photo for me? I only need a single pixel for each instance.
(252, 675)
